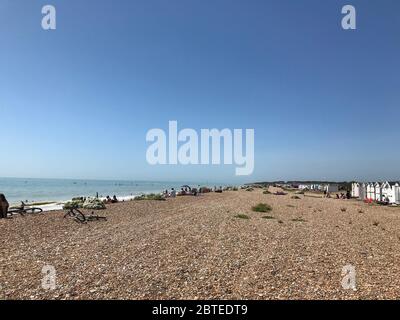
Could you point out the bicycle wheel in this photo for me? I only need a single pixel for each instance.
(34, 210)
(78, 216)
(17, 211)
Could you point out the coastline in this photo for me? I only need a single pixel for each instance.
(58, 191)
(58, 205)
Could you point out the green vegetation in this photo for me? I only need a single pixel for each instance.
(299, 220)
(262, 207)
(268, 217)
(249, 189)
(74, 204)
(242, 216)
(94, 204)
(151, 196)
(266, 192)
(90, 203)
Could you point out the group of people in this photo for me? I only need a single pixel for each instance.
(185, 191)
(109, 200)
(342, 195)
(167, 194)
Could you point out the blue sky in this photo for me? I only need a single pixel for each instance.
(77, 102)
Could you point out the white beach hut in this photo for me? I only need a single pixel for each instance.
(355, 190)
(391, 192)
(363, 191)
(396, 193)
(378, 192)
(370, 191)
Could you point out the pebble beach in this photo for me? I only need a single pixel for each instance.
(211, 246)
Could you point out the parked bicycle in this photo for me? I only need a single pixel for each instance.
(23, 210)
(78, 216)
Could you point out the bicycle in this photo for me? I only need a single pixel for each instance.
(78, 216)
(22, 210)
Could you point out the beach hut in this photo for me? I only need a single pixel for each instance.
(363, 191)
(355, 190)
(378, 192)
(396, 192)
(387, 192)
(370, 191)
(390, 192)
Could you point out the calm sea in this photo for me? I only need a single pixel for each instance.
(33, 190)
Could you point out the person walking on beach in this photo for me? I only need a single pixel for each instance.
(173, 193)
(3, 206)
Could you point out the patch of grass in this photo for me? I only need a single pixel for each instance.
(262, 207)
(295, 197)
(73, 205)
(242, 216)
(266, 192)
(280, 221)
(249, 189)
(151, 196)
(299, 220)
(268, 217)
(343, 209)
(291, 206)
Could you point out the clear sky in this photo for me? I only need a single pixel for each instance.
(77, 102)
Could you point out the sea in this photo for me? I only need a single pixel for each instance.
(61, 190)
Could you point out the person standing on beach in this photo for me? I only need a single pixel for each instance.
(3, 206)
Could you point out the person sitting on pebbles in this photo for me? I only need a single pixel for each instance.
(3, 206)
